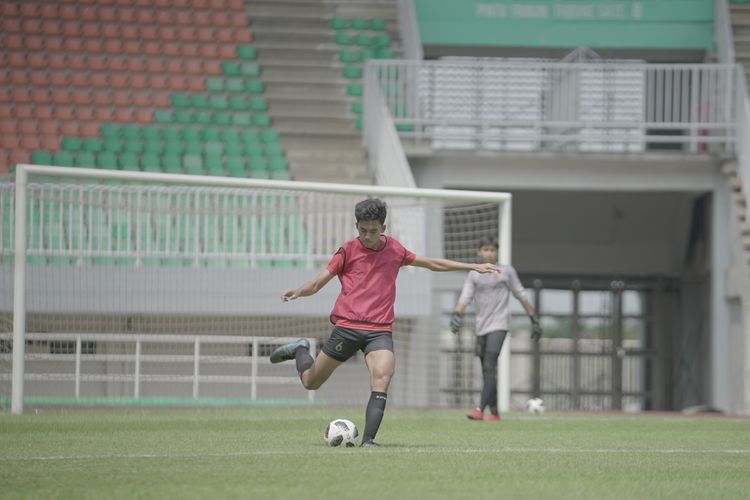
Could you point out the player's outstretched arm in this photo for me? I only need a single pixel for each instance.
(441, 265)
(309, 288)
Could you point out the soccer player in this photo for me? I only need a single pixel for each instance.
(490, 293)
(367, 267)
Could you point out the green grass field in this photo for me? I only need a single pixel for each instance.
(280, 453)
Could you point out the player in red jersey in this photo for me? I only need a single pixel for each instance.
(367, 267)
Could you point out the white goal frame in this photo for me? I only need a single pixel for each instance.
(19, 285)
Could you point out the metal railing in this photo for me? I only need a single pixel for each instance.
(118, 358)
(537, 106)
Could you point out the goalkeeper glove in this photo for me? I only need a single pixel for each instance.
(536, 329)
(456, 320)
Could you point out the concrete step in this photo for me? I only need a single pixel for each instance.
(300, 63)
(339, 155)
(266, 48)
(283, 36)
(354, 174)
(320, 75)
(302, 107)
(308, 10)
(316, 124)
(295, 140)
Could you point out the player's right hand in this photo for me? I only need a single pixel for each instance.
(487, 268)
(289, 295)
(456, 321)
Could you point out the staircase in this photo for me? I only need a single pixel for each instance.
(740, 18)
(306, 91)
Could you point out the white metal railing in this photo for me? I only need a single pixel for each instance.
(129, 362)
(723, 37)
(408, 26)
(386, 157)
(533, 106)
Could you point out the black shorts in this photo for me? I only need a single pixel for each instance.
(345, 342)
(490, 343)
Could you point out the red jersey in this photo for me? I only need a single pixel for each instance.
(368, 283)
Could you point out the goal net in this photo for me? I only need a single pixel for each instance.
(165, 289)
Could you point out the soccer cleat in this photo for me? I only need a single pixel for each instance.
(286, 352)
(492, 418)
(369, 444)
(476, 414)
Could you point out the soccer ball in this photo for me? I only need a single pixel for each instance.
(341, 432)
(535, 405)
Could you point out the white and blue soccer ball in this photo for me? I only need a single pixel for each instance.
(535, 405)
(341, 432)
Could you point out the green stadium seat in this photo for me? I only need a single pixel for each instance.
(354, 89)
(227, 135)
(250, 136)
(222, 118)
(107, 160)
(253, 86)
(194, 148)
(257, 163)
(280, 175)
(204, 117)
(343, 38)
(233, 148)
(214, 148)
(358, 123)
(151, 132)
(235, 84)
(109, 130)
(377, 24)
(352, 72)
(132, 145)
(199, 101)
(180, 100)
(91, 145)
(193, 164)
(246, 52)
(41, 158)
(230, 68)
(359, 23)
(381, 40)
(173, 147)
(209, 134)
(357, 107)
(184, 116)
(164, 116)
(172, 163)
(112, 144)
(85, 159)
(154, 146)
(242, 118)
(171, 133)
(238, 103)
(218, 102)
(384, 53)
(215, 84)
(70, 144)
(269, 136)
(215, 165)
(363, 40)
(130, 132)
(235, 165)
(151, 162)
(261, 120)
(250, 69)
(130, 161)
(191, 134)
(258, 104)
(404, 127)
(338, 23)
(62, 159)
(277, 163)
(349, 56)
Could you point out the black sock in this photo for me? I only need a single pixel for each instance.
(489, 385)
(374, 415)
(303, 359)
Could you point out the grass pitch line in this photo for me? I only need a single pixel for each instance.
(384, 449)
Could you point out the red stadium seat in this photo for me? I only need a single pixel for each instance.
(9, 10)
(132, 47)
(118, 80)
(88, 13)
(97, 62)
(80, 96)
(14, 41)
(28, 126)
(108, 14)
(12, 25)
(169, 33)
(101, 97)
(48, 128)
(43, 112)
(136, 64)
(60, 95)
(142, 98)
(41, 96)
(113, 46)
(139, 81)
(30, 10)
(54, 43)
(31, 142)
(68, 127)
(73, 45)
(23, 111)
(64, 113)
(76, 61)
(171, 49)
(68, 12)
(117, 64)
(38, 78)
(130, 31)
(150, 32)
(19, 77)
(101, 80)
(104, 114)
(89, 129)
(34, 42)
(49, 11)
(111, 30)
(52, 27)
(20, 94)
(57, 61)
(16, 59)
(183, 18)
(32, 26)
(120, 98)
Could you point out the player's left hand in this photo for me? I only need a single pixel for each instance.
(536, 329)
(289, 295)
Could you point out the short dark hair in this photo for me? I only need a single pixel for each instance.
(488, 241)
(371, 209)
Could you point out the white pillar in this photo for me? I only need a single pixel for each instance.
(721, 396)
(19, 295)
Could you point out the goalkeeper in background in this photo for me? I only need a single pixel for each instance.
(491, 294)
(367, 267)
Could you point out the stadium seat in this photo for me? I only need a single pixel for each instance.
(41, 158)
(246, 52)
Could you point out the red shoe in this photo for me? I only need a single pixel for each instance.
(476, 414)
(492, 418)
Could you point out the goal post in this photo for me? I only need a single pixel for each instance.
(137, 285)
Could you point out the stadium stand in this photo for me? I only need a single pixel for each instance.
(80, 73)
